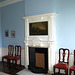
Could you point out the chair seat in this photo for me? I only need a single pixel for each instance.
(13, 57)
(73, 68)
(61, 66)
(6, 57)
(17, 57)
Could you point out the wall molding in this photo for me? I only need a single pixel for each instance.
(8, 2)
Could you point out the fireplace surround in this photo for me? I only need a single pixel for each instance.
(41, 41)
(38, 60)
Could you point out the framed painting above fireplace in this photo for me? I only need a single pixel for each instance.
(38, 28)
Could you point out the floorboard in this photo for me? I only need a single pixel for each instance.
(10, 70)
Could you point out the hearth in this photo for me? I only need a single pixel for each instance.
(38, 60)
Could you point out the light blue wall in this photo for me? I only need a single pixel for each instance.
(0, 30)
(65, 20)
(12, 20)
(65, 24)
(35, 7)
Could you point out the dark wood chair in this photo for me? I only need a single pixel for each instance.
(10, 53)
(17, 55)
(72, 68)
(63, 60)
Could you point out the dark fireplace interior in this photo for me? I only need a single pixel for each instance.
(38, 60)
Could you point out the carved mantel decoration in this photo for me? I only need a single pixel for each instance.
(44, 41)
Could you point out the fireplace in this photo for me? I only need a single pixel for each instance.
(38, 60)
(43, 38)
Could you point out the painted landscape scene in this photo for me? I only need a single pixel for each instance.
(38, 28)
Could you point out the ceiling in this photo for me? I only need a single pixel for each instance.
(7, 2)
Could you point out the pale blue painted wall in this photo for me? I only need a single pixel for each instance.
(65, 19)
(12, 20)
(65, 24)
(0, 30)
(36, 7)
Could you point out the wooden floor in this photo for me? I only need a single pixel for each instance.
(12, 70)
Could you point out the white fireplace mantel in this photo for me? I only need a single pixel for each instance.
(44, 41)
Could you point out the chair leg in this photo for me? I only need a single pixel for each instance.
(8, 62)
(66, 72)
(59, 71)
(3, 61)
(16, 63)
(54, 70)
(20, 62)
(70, 71)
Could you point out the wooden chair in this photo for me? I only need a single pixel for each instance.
(10, 53)
(72, 68)
(17, 55)
(64, 62)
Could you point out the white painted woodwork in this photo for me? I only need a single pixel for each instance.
(43, 41)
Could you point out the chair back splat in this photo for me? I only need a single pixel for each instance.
(63, 60)
(64, 55)
(18, 50)
(10, 50)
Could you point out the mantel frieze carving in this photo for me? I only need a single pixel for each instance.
(39, 43)
(39, 17)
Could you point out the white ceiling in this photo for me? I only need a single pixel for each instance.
(7, 2)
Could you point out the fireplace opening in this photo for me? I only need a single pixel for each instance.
(38, 60)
